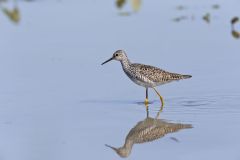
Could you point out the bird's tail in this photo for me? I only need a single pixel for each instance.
(186, 76)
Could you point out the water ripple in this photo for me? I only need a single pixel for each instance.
(224, 104)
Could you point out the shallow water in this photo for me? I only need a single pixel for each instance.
(58, 102)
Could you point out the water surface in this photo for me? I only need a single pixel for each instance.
(58, 102)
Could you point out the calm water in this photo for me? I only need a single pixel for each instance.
(58, 102)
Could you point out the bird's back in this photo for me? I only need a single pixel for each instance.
(155, 75)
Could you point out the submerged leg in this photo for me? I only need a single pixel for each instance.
(158, 114)
(147, 110)
(161, 98)
(146, 100)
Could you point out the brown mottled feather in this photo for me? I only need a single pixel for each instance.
(156, 75)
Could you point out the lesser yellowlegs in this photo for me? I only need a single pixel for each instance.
(145, 75)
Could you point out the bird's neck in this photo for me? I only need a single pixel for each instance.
(125, 63)
(126, 148)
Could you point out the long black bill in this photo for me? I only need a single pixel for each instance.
(115, 149)
(107, 60)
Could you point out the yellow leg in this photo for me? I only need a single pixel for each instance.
(161, 98)
(146, 100)
(147, 110)
(158, 114)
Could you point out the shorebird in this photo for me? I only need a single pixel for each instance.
(145, 75)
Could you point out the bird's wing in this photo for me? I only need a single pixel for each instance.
(156, 74)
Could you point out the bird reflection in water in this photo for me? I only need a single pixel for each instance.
(148, 130)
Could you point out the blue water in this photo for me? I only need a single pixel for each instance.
(58, 102)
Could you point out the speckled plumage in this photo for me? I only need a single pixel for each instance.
(145, 75)
(150, 76)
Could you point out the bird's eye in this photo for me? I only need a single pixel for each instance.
(116, 55)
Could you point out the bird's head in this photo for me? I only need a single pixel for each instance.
(119, 55)
(122, 151)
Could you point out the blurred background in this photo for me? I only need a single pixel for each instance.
(58, 102)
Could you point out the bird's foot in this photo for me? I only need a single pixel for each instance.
(146, 102)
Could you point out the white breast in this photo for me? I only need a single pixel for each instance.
(140, 80)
